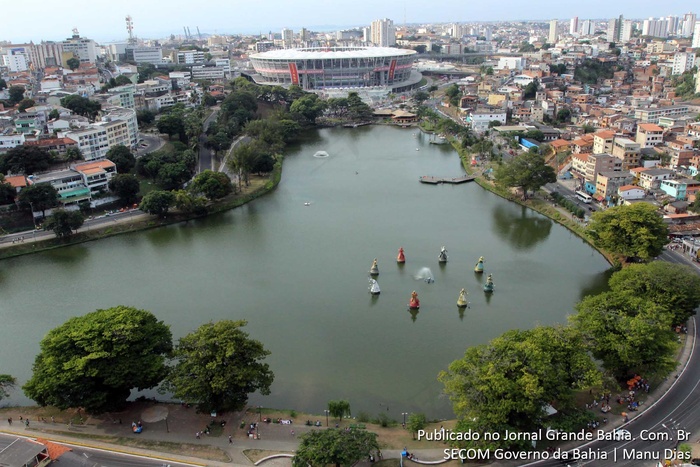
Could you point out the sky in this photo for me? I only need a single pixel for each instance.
(103, 20)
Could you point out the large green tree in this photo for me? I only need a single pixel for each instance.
(73, 63)
(122, 157)
(64, 223)
(7, 191)
(339, 408)
(507, 383)
(527, 172)
(628, 334)
(7, 383)
(635, 231)
(39, 197)
(674, 286)
(416, 422)
(81, 106)
(24, 104)
(310, 107)
(126, 187)
(319, 448)
(16, 94)
(218, 365)
(157, 202)
(94, 361)
(213, 185)
(25, 160)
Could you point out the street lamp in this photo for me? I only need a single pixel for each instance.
(404, 418)
(327, 412)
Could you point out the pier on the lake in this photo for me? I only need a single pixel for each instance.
(455, 180)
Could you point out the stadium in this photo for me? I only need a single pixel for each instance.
(316, 69)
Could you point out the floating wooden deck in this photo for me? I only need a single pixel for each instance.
(456, 180)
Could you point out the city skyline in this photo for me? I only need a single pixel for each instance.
(105, 21)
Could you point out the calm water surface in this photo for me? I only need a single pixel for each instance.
(298, 275)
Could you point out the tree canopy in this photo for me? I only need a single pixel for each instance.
(217, 366)
(24, 104)
(213, 185)
(40, 197)
(339, 408)
(25, 160)
(635, 231)
(7, 383)
(81, 106)
(319, 448)
(63, 222)
(126, 187)
(628, 334)
(73, 63)
(674, 286)
(122, 157)
(157, 202)
(7, 191)
(507, 383)
(16, 94)
(527, 172)
(94, 361)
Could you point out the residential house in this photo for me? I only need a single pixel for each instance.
(678, 188)
(628, 192)
(608, 182)
(650, 179)
(59, 145)
(69, 184)
(582, 144)
(560, 145)
(11, 140)
(480, 119)
(96, 175)
(578, 164)
(597, 163)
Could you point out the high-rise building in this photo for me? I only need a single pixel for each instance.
(47, 54)
(367, 34)
(488, 32)
(587, 28)
(552, 39)
(383, 33)
(688, 24)
(16, 61)
(696, 36)
(655, 27)
(458, 30)
(303, 35)
(626, 30)
(673, 23)
(614, 29)
(84, 49)
(682, 62)
(573, 25)
(287, 38)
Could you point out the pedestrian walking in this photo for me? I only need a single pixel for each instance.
(9, 421)
(230, 439)
(292, 432)
(197, 435)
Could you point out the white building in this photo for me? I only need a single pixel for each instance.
(179, 79)
(687, 24)
(92, 142)
(573, 26)
(479, 120)
(655, 27)
(626, 30)
(128, 116)
(189, 57)
(47, 54)
(214, 73)
(383, 33)
(139, 55)
(587, 28)
(696, 36)
(16, 61)
(511, 63)
(287, 38)
(84, 49)
(682, 62)
(96, 175)
(552, 39)
(10, 141)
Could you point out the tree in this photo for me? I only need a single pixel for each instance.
(674, 286)
(213, 185)
(339, 408)
(628, 334)
(453, 94)
(310, 107)
(73, 154)
(157, 202)
(122, 80)
(187, 202)
(530, 91)
(172, 124)
(507, 383)
(26, 160)
(564, 115)
(73, 63)
(81, 106)
(3, 84)
(536, 135)
(527, 172)
(319, 448)
(16, 94)
(420, 97)
(145, 117)
(243, 160)
(7, 191)
(217, 366)
(588, 128)
(24, 104)
(122, 157)
(126, 187)
(172, 176)
(39, 197)
(416, 422)
(7, 383)
(63, 222)
(635, 231)
(94, 361)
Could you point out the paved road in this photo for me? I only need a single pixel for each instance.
(205, 154)
(102, 458)
(674, 418)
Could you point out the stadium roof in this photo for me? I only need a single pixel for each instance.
(332, 52)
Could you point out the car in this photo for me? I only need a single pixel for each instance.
(695, 461)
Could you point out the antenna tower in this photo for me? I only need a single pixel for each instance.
(130, 28)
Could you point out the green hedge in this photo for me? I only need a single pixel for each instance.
(572, 207)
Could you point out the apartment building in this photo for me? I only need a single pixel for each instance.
(650, 179)
(608, 182)
(603, 142)
(128, 116)
(92, 142)
(96, 175)
(652, 115)
(596, 163)
(10, 140)
(649, 134)
(627, 151)
(68, 183)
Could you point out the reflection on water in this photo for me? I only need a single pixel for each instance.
(525, 231)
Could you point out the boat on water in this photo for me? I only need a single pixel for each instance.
(373, 287)
(479, 268)
(414, 304)
(488, 287)
(462, 300)
(442, 257)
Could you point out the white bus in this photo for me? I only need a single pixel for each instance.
(583, 196)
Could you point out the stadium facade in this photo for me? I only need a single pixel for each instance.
(316, 69)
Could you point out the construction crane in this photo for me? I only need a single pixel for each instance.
(185, 29)
(189, 34)
(199, 33)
